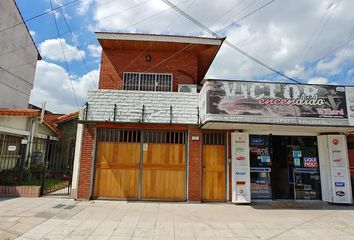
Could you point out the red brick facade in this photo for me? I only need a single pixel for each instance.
(87, 151)
(183, 66)
(195, 166)
(187, 67)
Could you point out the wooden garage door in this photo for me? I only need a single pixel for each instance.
(117, 164)
(214, 166)
(164, 165)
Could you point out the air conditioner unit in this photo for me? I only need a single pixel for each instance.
(191, 88)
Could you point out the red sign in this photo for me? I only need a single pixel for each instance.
(240, 158)
(335, 141)
(310, 162)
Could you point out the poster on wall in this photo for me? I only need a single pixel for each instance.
(252, 101)
(349, 93)
(340, 175)
(240, 166)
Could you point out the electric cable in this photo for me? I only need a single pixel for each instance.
(66, 63)
(247, 15)
(37, 16)
(205, 28)
(78, 48)
(319, 33)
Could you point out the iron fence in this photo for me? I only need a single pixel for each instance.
(43, 162)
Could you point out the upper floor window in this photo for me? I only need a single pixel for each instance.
(147, 81)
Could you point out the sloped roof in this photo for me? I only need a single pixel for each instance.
(205, 48)
(20, 112)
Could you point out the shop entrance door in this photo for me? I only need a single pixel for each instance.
(295, 168)
(283, 186)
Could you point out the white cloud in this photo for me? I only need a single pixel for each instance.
(51, 49)
(94, 50)
(318, 80)
(278, 35)
(52, 84)
(333, 64)
(33, 33)
(84, 6)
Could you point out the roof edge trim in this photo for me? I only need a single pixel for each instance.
(159, 38)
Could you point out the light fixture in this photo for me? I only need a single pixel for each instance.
(148, 58)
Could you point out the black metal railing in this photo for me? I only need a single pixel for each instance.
(43, 162)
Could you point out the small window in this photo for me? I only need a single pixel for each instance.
(148, 82)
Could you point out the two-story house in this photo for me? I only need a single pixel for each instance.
(157, 130)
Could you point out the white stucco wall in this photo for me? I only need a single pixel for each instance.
(18, 55)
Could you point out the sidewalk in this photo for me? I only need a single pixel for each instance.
(57, 218)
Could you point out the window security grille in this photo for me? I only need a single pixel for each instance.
(147, 82)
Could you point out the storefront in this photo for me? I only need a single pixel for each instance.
(284, 167)
(287, 141)
(172, 135)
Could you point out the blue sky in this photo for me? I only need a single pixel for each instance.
(308, 40)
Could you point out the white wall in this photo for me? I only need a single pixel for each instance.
(18, 55)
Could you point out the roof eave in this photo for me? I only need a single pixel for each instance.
(159, 38)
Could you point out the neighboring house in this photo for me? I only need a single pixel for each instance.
(23, 130)
(25, 125)
(157, 130)
(18, 57)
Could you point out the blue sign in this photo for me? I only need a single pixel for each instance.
(339, 184)
(257, 141)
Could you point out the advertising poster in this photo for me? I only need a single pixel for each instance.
(240, 166)
(349, 93)
(278, 102)
(310, 162)
(338, 157)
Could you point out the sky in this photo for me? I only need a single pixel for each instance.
(310, 41)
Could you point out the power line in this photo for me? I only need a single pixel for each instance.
(66, 63)
(39, 15)
(249, 14)
(205, 28)
(228, 11)
(62, 34)
(152, 16)
(319, 33)
(78, 47)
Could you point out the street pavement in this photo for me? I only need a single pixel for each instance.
(60, 218)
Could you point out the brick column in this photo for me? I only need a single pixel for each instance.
(88, 141)
(195, 166)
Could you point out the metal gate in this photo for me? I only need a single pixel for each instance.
(47, 163)
(58, 168)
(140, 164)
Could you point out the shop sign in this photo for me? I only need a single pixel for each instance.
(240, 168)
(297, 162)
(195, 138)
(310, 162)
(260, 169)
(306, 170)
(265, 159)
(257, 141)
(11, 148)
(276, 101)
(339, 169)
(339, 184)
(296, 154)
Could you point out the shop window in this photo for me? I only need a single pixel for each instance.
(160, 82)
